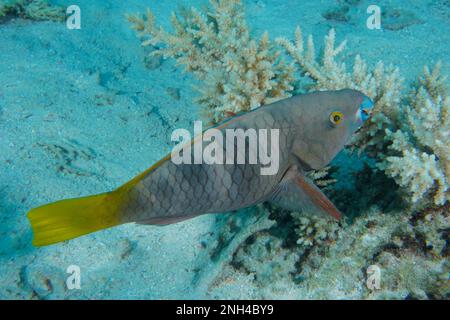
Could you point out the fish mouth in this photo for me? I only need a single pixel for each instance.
(365, 109)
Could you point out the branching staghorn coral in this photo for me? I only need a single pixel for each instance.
(411, 249)
(314, 230)
(237, 72)
(422, 161)
(321, 177)
(233, 232)
(382, 84)
(432, 226)
(31, 9)
(265, 258)
(417, 154)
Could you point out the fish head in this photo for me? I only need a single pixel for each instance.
(326, 121)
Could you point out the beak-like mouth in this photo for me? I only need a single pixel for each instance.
(367, 113)
(365, 109)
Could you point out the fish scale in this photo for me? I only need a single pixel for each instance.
(222, 187)
(313, 128)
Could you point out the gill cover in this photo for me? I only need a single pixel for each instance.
(328, 120)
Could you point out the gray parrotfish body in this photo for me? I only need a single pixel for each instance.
(311, 130)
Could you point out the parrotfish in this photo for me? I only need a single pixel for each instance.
(312, 129)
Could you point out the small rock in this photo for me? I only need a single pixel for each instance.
(397, 19)
(339, 14)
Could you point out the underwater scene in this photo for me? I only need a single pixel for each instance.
(224, 149)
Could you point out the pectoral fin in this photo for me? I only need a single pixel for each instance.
(296, 192)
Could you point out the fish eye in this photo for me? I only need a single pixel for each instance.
(336, 117)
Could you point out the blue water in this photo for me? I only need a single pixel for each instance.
(81, 113)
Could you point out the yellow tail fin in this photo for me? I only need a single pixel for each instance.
(67, 219)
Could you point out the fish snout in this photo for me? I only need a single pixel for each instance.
(365, 109)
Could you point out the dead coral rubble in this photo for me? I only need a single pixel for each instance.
(31, 9)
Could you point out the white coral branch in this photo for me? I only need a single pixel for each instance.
(238, 73)
(423, 163)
